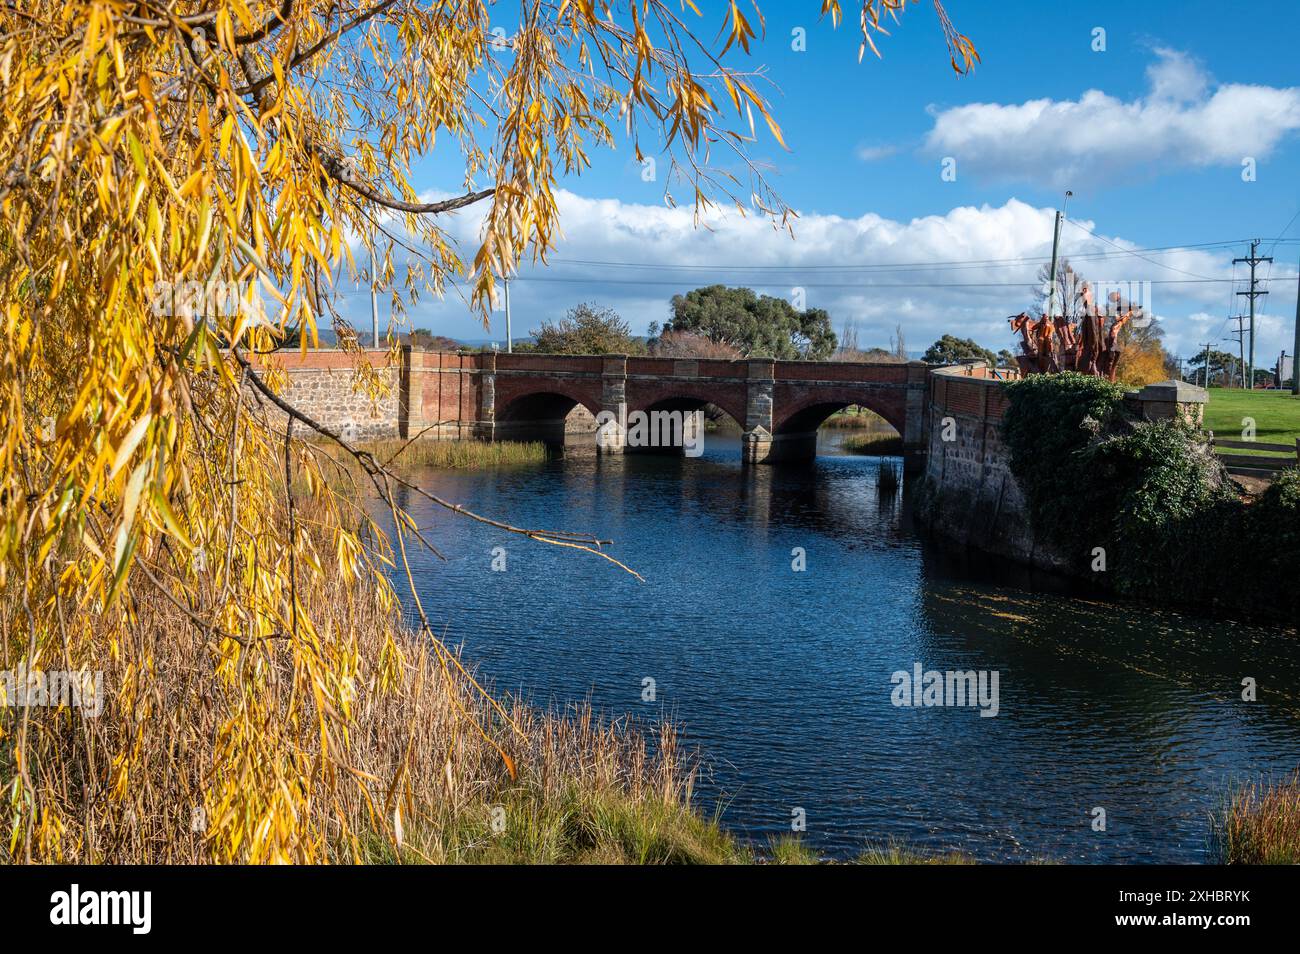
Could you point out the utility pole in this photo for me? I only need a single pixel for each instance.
(1295, 360)
(1241, 343)
(1254, 293)
(374, 305)
(1207, 363)
(510, 341)
(1056, 248)
(1051, 288)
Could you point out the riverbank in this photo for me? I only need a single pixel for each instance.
(1259, 824)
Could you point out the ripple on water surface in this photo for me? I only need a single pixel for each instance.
(782, 679)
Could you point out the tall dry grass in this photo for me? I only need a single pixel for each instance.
(1259, 824)
(858, 418)
(873, 445)
(421, 782)
(458, 454)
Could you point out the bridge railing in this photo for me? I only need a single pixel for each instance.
(982, 371)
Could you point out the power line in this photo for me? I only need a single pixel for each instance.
(892, 266)
(1133, 252)
(1285, 229)
(654, 281)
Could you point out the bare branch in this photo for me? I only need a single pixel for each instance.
(336, 170)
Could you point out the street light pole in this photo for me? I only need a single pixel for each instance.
(510, 341)
(374, 304)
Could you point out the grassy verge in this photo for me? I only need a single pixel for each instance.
(792, 851)
(571, 825)
(1276, 415)
(1259, 824)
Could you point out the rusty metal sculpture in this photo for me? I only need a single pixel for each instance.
(1051, 344)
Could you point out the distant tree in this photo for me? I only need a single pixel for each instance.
(952, 350)
(849, 338)
(754, 325)
(899, 343)
(686, 344)
(850, 350)
(1141, 365)
(1069, 290)
(874, 355)
(1006, 359)
(426, 340)
(1220, 363)
(588, 329)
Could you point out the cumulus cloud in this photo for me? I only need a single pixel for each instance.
(1184, 120)
(933, 275)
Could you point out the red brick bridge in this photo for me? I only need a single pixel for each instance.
(778, 404)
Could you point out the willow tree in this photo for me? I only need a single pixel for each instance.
(152, 150)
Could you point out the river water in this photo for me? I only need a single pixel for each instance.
(783, 678)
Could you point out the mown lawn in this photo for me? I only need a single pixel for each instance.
(1276, 415)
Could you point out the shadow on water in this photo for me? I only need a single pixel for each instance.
(782, 677)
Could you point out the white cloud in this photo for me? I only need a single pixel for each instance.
(1180, 122)
(875, 153)
(666, 252)
(1175, 77)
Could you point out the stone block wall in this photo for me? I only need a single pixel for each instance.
(324, 385)
(969, 495)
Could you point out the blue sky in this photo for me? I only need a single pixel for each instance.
(1149, 134)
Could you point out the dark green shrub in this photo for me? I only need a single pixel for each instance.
(1270, 550)
(1163, 498)
(1154, 497)
(1050, 424)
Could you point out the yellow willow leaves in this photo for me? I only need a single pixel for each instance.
(210, 144)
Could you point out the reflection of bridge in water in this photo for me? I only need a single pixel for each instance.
(778, 405)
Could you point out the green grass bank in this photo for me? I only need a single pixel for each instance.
(1275, 414)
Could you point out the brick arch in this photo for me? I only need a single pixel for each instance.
(802, 414)
(730, 398)
(510, 394)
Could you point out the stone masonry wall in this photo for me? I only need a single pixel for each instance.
(969, 495)
(324, 386)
